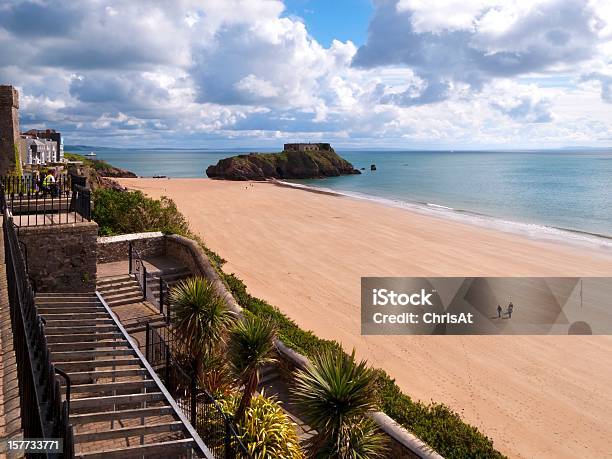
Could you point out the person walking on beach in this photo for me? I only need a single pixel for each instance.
(510, 308)
(499, 310)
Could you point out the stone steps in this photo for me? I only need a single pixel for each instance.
(111, 387)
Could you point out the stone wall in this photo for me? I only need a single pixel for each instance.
(191, 255)
(62, 258)
(116, 248)
(9, 127)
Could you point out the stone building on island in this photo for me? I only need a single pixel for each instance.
(307, 147)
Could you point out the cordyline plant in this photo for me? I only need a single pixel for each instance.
(201, 321)
(251, 347)
(335, 394)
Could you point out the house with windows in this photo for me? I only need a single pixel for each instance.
(39, 151)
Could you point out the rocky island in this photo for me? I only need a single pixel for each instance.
(296, 161)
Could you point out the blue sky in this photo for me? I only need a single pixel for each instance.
(329, 20)
(409, 74)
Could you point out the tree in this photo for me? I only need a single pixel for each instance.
(201, 320)
(251, 347)
(335, 393)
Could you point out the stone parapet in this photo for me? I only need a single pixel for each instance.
(61, 258)
(116, 248)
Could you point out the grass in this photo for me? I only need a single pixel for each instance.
(96, 164)
(437, 425)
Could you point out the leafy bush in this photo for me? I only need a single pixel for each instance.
(265, 429)
(18, 172)
(118, 212)
(304, 342)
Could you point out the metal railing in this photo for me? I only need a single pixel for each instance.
(44, 415)
(163, 300)
(34, 202)
(199, 447)
(138, 268)
(212, 424)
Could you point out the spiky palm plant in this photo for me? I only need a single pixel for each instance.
(335, 394)
(201, 320)
(251, 347)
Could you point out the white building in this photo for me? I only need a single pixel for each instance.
(40, 151)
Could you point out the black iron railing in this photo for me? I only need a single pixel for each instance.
(44, 415)
(36, 202)
(138, 268)
(23, 185)
(163, 300)
(212, 424)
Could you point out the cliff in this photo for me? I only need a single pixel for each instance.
(99, 173)
(284, 165)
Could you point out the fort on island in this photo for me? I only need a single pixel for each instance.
(296, 161)
(307, 147)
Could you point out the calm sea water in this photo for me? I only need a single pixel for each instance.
(562, 189)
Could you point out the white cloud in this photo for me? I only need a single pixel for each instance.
(431, 73)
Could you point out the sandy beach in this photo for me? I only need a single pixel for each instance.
(304, 252)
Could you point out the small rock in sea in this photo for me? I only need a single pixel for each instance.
(363, 168)
(373, 167)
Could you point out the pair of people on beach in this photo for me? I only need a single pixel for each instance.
(508, 311)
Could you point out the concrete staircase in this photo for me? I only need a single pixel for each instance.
(124, 288)
(120, 289)
(268, 375)
(118, 406)
(171, 277)
(271, 383)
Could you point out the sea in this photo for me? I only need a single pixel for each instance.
(557, 193)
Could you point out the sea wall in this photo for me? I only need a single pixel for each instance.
(61, 258)
(191, 255)
(116, 248)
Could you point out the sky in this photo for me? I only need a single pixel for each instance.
(413, 74)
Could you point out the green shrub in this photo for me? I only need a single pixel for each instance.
(265, 429)
(18, 172)
(97, 164)
(118, 212)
